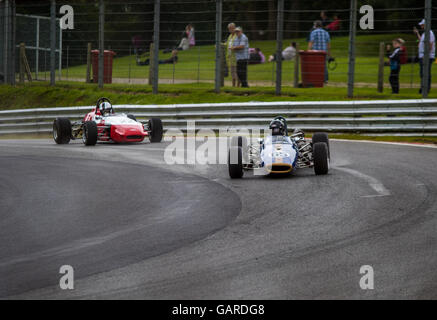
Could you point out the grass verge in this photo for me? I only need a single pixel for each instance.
(64, 94)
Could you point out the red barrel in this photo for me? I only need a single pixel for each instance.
(107, 65)
(313, 64)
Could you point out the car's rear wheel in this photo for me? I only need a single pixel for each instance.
(322, 137)
(155, 130)
(235, 162)
(89, 136)
(321, 159)
(62, 130)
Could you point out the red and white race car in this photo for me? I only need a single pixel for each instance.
(103, 124)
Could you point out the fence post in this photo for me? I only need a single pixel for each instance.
(101, 42)
(198, 64)
(223, 65)
(279, 39)
(130, 63)
(88, 63)
(60, 53)
(352, 34)
(426, 85)
(68, 60)
(218, 43)
(381, 67)
(151, 63)
(21, 62)
(37, 49)
(296, 67)
(53, 43)
(6, 42)
(154, 63)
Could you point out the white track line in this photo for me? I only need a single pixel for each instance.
(374, 183)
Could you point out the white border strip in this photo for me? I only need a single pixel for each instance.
(404, 144)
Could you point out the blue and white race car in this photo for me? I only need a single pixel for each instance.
(279, 153)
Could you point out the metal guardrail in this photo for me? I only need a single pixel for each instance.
(414, 117)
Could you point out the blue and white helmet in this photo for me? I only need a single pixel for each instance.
(278, 127)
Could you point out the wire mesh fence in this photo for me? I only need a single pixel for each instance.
(34, 33)
(2, 43)
(188, 40)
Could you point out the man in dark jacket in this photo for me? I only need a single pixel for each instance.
(395, 64)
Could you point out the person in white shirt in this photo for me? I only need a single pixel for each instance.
(288, 54)
(422, 51)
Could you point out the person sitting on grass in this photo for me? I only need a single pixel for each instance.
(288, 54)
(256, 56)
(172, 60)
(395, 64)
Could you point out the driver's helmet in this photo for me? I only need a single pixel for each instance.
(105, 107)
(278, 127)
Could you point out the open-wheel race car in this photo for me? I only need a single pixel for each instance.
(279, 153)
(102, 124)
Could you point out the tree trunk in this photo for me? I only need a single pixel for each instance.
(272, 19)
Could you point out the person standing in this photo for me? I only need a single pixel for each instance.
(324, 19)
(190, 35)
(320, 40)
(395, 64)
(232, 60)
(241, 48)
(422, 52)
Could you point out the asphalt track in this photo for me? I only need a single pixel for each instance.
(134, 227)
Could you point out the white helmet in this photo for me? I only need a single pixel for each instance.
(106, 107)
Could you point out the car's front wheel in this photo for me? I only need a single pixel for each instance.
(322, 137)
(89, 135)
(321, 158)
(62, 130)
(235, 162)
(155, 130)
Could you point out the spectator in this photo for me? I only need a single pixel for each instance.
(232, 60)
(288, 54)
(422, 52)
(256, 56)
(334, 25)
(324, 19)
(172, 60)
(190, 34)
(320, 40)
(241, 48)
(188, 39)
(404, 53)
(138, 44)
(395, 64)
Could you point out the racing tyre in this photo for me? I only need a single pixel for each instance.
(239, 142)
(322, 137)
(321, 159)
(89, 136)
(132, 117)
(235, 162)
(62, 130)
(242, 143)
(156, 130)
